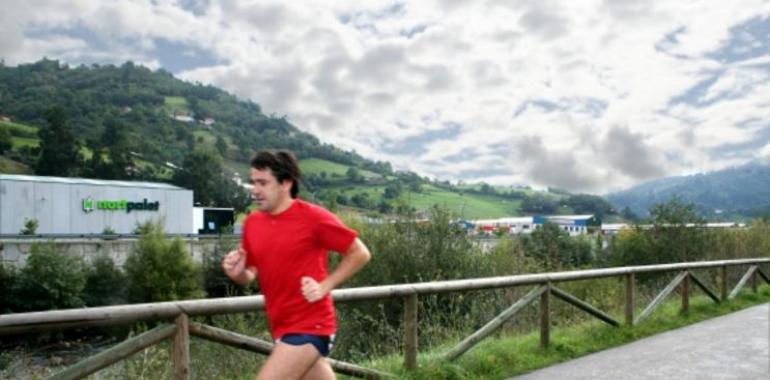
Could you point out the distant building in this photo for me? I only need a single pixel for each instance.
(614, 228)
(184, 118)
(512, 225)
(209, 121)
(5, 118)
(91, 206)
(572, 224)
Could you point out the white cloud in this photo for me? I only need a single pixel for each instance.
(563, 93)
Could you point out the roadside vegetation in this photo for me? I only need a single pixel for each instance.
(511, 355)
(371, 332)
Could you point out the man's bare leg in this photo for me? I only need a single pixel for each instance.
(288, 362)
(321, 370)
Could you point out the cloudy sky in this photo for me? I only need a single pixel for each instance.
(589, 95)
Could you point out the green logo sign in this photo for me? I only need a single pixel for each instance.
(89, 204)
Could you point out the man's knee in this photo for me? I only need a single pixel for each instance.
(321, 370)
(288, 362)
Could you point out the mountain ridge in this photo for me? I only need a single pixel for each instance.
(738, 191)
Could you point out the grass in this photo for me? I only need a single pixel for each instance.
(241, 167)
(18, 127)
(206, 137)
(318, 165)
(515, 355)
(176, 104)
(19, 142)
(8, 166)
(467, 206)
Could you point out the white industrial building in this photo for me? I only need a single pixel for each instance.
(91, 206)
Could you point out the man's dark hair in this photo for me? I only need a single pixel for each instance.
(282, 163)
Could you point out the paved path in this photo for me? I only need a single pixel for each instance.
(734, 346)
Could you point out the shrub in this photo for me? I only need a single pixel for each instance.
(105, 283)
(30, 227)
(49, 280)
(555, 249)
(215, 281)
(7, 280)
(404, 252)
(159, 269)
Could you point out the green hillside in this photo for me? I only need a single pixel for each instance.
(9, 166)
(737, 192)
(129, 114)
(465, 205)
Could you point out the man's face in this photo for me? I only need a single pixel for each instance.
(267, 191)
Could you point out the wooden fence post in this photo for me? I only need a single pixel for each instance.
(181, 348)
(723, 282)
(685, 287)
(545, 323)
(410, 331)
(630, 302)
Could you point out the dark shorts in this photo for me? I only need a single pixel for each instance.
(322, 343)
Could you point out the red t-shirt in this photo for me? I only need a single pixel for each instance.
(286, 247)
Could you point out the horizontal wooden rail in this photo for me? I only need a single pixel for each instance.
(409, 293)
(248, 343)
(116, 315)
(115, 354)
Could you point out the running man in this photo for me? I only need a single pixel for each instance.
(285, 246)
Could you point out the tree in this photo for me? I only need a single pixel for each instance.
(203, 172)
(487, 189)
(159, 269)
(5, 140)
(59, 150)
(554, 247)
(589, 204)
(629, 214)
(678, 232)
(105, 283)
(677, 235)
(200, 172)
(354, 175)
(221, 146)
(49, 280)
(539, 204)
(392, 190)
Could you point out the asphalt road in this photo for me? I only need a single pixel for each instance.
(734, 346)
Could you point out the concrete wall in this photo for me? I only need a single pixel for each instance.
(15, 251)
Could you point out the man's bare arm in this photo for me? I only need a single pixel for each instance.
(234, 265)
(352, 261)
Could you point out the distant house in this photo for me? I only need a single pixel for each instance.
(209, 121)
(184, 118)
(5, 118)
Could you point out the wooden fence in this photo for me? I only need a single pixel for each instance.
(545, 286)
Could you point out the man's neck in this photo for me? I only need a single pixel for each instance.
(282, 206)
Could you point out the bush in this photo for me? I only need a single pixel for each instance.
(405, 252)
(215, 281)
(105, 283)
(30, 227)
(7, 280)
(555, 249)
(49, 280)
(159, 269)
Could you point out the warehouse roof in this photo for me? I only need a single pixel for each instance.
(87, 181)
